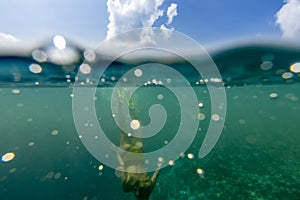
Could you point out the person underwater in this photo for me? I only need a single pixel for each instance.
(133, 175)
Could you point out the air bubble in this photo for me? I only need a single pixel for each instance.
(267, 65)
(59, 42)
(171, 162)
(273, 95)
(39, 55)
(55, 132)
(287, 75)
(201, 116)
(12, 170)
(85, 68)
(8, 157)
(30, 144)
(138, 72)
(200, 105)
(160, 159)
(295, 67)
(200, 172)
(190, 156)
(89, 55)
(135, 124)
(57, 175)
(16, 91)
(215, 117)
(101, 167)
(160, 97)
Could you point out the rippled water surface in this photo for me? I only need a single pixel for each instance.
(257, 155)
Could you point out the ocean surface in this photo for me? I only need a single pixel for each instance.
(256, 157)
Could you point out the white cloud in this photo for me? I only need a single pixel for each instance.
(6, 39)
(171, 13)
(288, 17)
(125, 15)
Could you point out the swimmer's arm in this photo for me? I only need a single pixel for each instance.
(156, 173)
(119, 158)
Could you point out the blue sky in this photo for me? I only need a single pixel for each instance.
(208, 22)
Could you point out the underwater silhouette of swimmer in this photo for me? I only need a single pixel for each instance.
(131, 166)
(133, 175)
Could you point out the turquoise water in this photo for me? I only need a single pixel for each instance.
(257, 155)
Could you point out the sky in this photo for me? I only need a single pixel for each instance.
(90, 22)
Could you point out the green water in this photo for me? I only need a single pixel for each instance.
(256, 157)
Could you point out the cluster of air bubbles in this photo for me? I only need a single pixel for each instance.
(267, 64)
(61, 53)
(154, 82)
(68, 77)
(57, 52)
(213, 80)
(53, 175)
